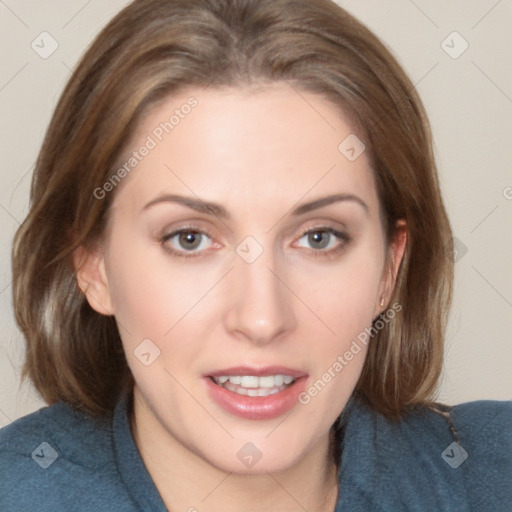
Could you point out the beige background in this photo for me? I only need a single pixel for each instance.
(468, 97)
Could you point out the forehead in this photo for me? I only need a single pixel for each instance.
(251, 146)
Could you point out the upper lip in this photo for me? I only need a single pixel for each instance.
(259, 371)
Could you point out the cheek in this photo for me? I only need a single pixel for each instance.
(136, 289)
(344, 295)
(344, 302)
(157, 298)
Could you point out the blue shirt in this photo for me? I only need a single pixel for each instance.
(60, 459)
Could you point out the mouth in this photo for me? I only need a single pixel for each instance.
(256, 393)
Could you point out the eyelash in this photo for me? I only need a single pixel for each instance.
(343, 237)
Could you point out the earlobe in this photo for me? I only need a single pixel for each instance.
(92, 279)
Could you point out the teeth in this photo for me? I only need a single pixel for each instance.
(248, 381)
(279, 380)
(267, 382)
(252, 385)
(254, 382)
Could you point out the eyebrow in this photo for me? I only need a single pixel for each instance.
(199, 205)
(325, 201)
(202, 206)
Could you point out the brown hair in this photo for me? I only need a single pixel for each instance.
(154, 48)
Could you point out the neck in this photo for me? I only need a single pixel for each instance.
(186, 481)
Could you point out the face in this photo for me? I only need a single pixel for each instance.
(243, 251)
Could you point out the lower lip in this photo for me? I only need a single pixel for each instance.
(256, 407)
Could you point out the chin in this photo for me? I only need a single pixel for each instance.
(271, 450)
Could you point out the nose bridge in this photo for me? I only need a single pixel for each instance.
(260, 307)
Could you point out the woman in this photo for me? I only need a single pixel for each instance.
(235, 275)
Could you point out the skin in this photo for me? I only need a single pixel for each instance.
(259, 154)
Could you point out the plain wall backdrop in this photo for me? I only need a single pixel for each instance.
(457, 53)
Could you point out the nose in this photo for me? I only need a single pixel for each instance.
(260, 306)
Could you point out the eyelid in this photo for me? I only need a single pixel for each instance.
(169, 233)
(322, 225)
(187, 224)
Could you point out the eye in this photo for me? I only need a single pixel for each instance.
(186, 240)
(324, 240)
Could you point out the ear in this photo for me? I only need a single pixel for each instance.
(92, 279)
(393, 260)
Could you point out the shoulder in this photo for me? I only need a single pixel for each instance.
(60, 423)
(485, 432)
(457, 457)
(480, 436)
(50, 457)
(494, 416)
(475, 424)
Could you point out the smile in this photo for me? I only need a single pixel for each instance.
(256, 393)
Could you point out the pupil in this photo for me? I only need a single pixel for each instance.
(190, 239)
(318, 239)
